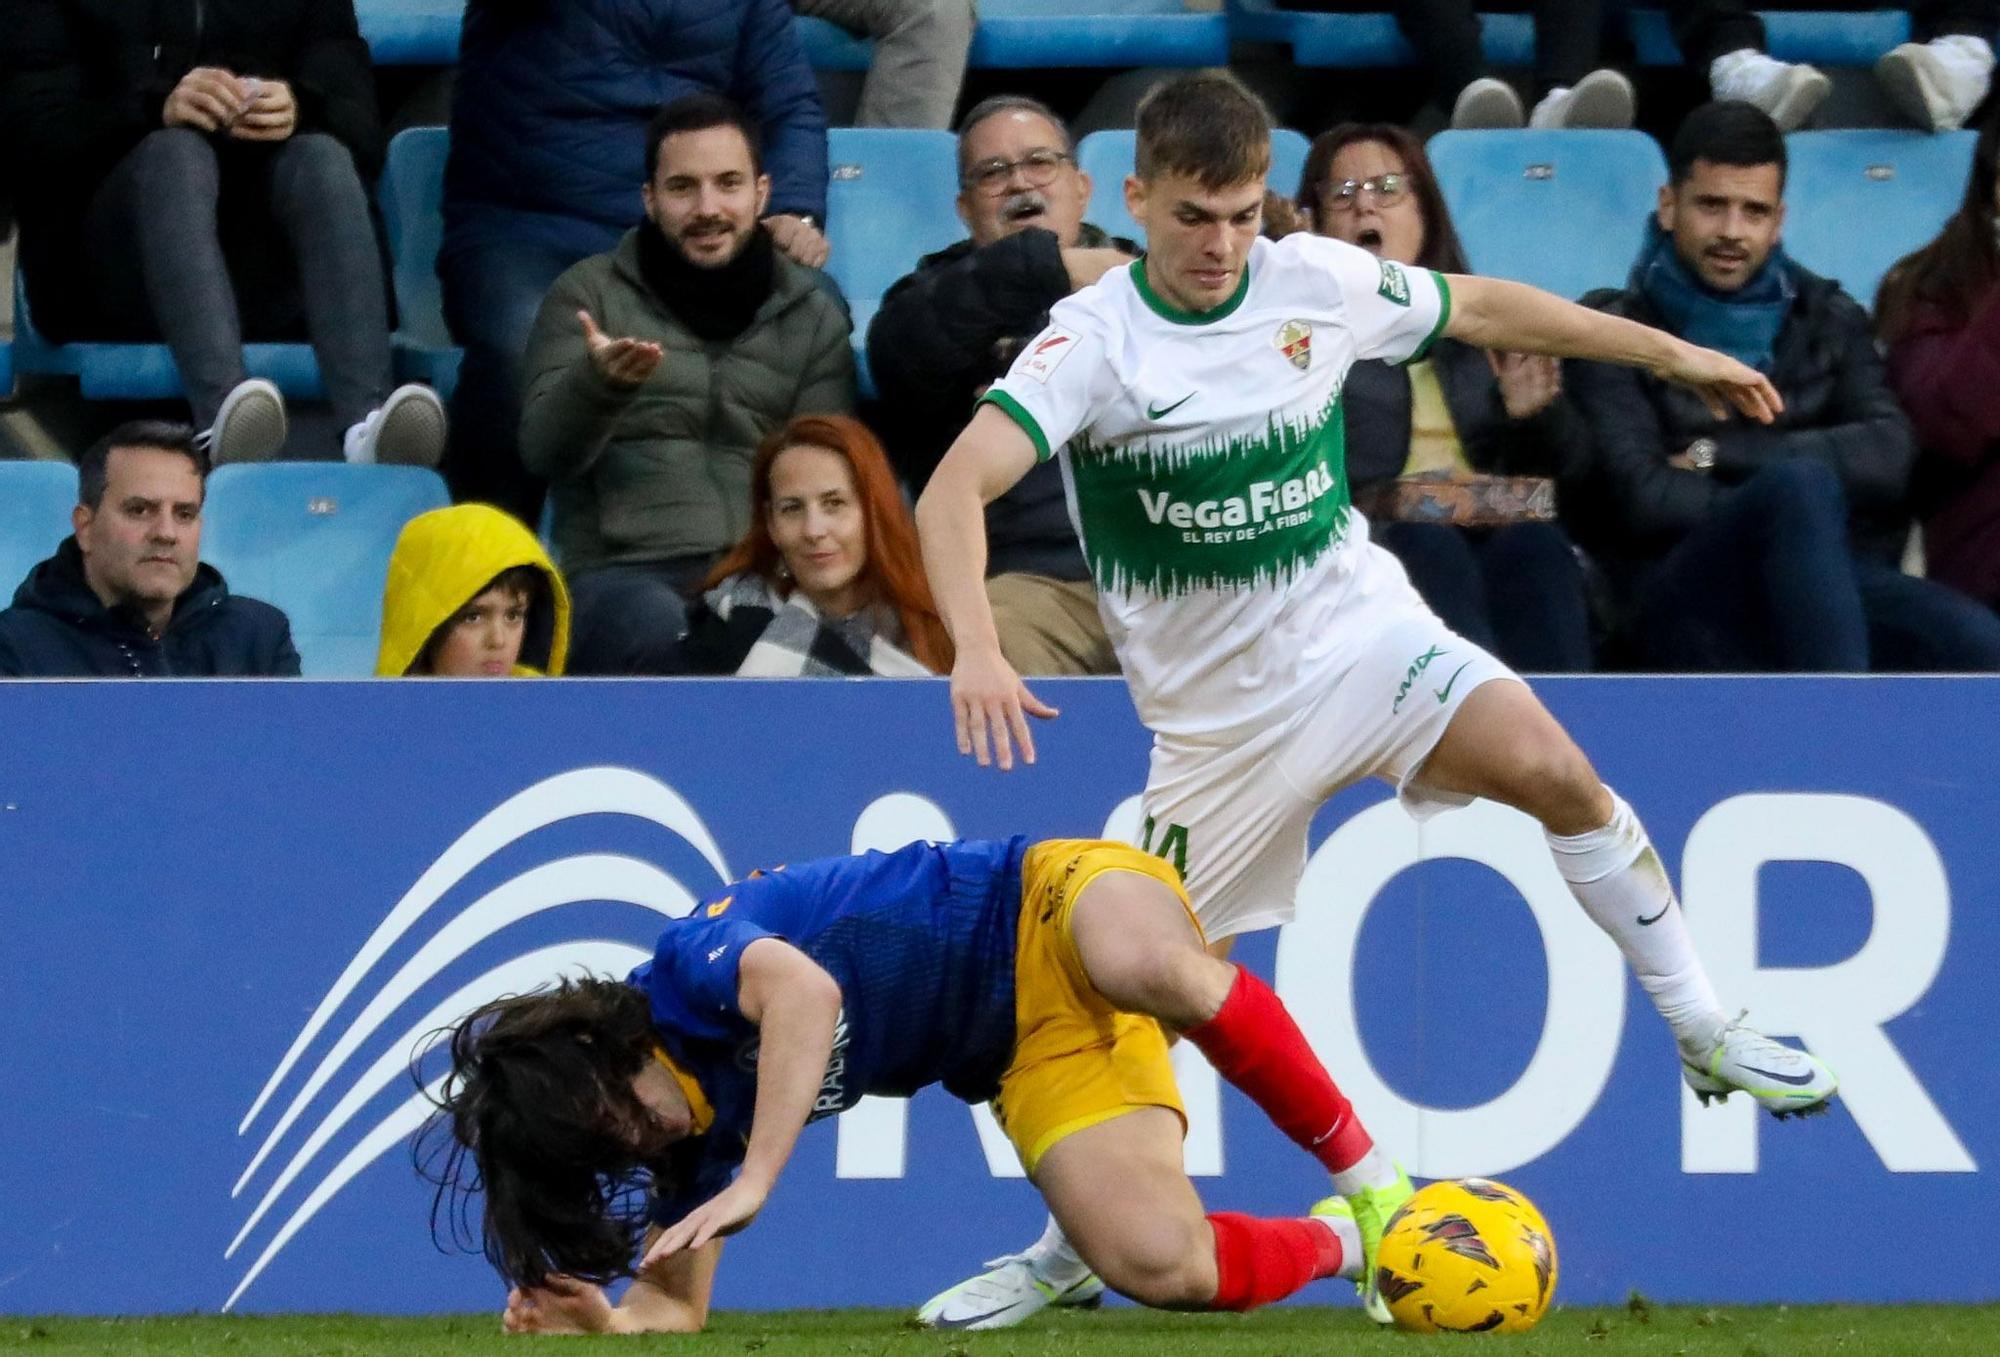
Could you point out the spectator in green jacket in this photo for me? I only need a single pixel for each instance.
(653, 373)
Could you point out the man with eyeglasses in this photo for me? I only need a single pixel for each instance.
(954, 324)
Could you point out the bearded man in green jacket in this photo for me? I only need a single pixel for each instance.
(655, 370)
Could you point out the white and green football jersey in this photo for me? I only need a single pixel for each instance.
(1204, 455)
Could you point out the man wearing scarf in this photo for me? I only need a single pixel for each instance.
(1735, 547)
(655, 370)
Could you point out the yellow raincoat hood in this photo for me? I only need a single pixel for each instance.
(443, 559)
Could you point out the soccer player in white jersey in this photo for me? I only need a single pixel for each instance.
(1193, 400)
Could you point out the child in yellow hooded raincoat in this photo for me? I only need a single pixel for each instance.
(471, 592)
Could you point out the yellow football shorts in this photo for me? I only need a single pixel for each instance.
(1077, 1060)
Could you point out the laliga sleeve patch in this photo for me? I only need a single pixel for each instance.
(1043, 356)
(1395, 286)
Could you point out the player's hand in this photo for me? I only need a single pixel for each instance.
(564, 1305)
(987, 702)
(272, 113)
(207, 99)
(798, 240)
(1722, 382)
(723, 1214)
(623, 363)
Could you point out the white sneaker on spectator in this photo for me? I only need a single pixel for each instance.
(1789, 91)
(1600, 99)
(1487, 103)
(405, 430)
(250, 426)
(1937, 84)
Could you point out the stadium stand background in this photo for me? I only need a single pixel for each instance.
(1560, 209)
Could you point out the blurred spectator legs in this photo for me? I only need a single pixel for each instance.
(1918, 626)
(1765, 583)
(491, 295)
(629, 619)
(1049, 627)
(919, 63)
(157, 229)
(1517, 591)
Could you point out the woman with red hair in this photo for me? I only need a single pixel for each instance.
(828, 579)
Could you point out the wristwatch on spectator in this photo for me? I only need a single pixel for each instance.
(1701, 454)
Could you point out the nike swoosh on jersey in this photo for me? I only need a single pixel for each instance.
(1162, 413)
(1444, 693)
(1796, 1080)
(1648, 922)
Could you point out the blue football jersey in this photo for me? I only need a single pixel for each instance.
(921, 942)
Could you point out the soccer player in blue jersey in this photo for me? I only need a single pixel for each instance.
(606, 1120)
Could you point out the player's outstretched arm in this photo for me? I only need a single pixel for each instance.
(1493, 313)
(670, 1296)
(988, 698)
(795, 1005)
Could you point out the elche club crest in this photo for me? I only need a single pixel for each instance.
(1295, 340)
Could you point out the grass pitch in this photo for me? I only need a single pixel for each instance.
(1637, 1328)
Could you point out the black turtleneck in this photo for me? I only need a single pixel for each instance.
(717, 304)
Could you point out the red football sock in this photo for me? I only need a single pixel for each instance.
(1259, 1261)
(1255, 1045)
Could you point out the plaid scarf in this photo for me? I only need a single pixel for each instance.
(771, 636)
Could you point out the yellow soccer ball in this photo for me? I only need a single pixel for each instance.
(1467, 1256)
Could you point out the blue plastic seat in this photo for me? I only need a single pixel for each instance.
(1362, 40)
(119, 371)
(829, 47)
(1107, 157)
(35, 502)
(1820, 37)
(412, 199)
(1565, 211)
(1861, 200)
(889, 202)
(314, 538)
(1031, 34)
(411, 32)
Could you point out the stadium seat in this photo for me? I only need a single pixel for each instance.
(1359, 40)
(412, 200)
(1821, 37)
(888, 203)
(1107, 158)
(1029, 34)
(35, 500)
(1565, 211)
(829, 47)
(1861, 200)
(411, 32)
(116, 371)
(314, 538)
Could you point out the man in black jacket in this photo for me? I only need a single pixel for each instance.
(127, 596)
(198, 170)
(1752, 547)
(947, 330)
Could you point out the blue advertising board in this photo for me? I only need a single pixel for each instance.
(231, 910)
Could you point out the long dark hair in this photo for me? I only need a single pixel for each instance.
(1441, 248)
(894, 574)
(538, 1114)
(1953, 274)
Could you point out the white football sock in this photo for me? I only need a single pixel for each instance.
(1373, 1169)
(1054, 1260)
(1349, 1234)
(1615, 874)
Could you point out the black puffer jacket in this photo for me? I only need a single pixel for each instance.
(58, 628)
(83, 81)
(944, 333)
(1838, 410)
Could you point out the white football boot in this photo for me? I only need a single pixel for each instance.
(1008, 1292)
(1785, 1081)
